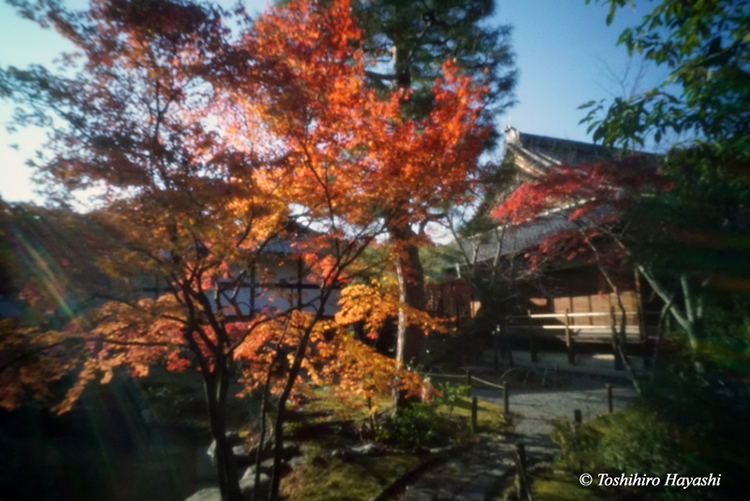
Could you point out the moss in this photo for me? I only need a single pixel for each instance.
(337, 480)
(548, 485)
(322, 478)
(566, 489)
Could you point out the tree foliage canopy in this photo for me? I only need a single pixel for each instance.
(409, 42)
(706, 48)
(202, 153)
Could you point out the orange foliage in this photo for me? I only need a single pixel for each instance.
(378, 301)
(332, 135)
(204, 151)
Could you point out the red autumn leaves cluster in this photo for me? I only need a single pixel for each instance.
(592, 198)
(203, 150)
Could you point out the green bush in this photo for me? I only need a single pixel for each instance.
(637, 441)
(581, 451)
(629, 441)
(451, 395)
(415, 427)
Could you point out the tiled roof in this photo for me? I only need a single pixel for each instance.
(543, 151)
(517, 238)
(533, 154)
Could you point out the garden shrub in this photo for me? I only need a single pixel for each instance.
(581, 446)
(629, 441)
(415, 427)
(451, 394)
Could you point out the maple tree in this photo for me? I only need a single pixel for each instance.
(596, 201)
(316, 113)
(623, 215)
(202, 154)
(398, 178)
(705, 48)
(408, 43)
(495, 277)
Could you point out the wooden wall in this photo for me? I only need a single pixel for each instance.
(597, 303)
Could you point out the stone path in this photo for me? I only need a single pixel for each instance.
(472, 474)
(467, 477)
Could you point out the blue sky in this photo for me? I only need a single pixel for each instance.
(563, 50)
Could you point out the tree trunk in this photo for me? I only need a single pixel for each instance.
(216, 389)
(262, 441)
(278, 429)
(411, 292)
(660, 327)
(410, 274)
(690, 320)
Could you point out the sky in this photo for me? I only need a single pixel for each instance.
(566, 55)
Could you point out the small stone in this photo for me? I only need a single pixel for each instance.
(248, 485)
(204, 469)
(249, 473)
(242, 456)
(209, 494)
(234, 439)
(266, 467)
(364, 450)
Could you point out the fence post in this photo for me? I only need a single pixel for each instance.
(425, 392)
(523, 486)
(496, 347)
(506, 343)
(468, 383)
(474, 415)
(610, 409)
(569, 340)
(372, 418)
(615, 339)
(506, 400)
(577, 417)
(532, 344)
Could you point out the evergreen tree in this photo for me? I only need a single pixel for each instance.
(410, 42)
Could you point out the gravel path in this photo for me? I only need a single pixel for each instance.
(535, 408)
(469, 476)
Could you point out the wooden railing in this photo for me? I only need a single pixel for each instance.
(572, 330)
(615, 320)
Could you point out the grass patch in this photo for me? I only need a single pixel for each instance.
(356, 408)
(549, 486)
(555, 485)
(328, 423)
(490, 418)
(337, 480)
(324, 477)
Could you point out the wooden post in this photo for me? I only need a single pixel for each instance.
(468, 383)
(569, 339)
(506, 399)
(577, 416)
(495, 343)
(615, 339)
(532, 345)
(425, 392)
(507, 345)
(503, 345)
(639, 307)
(523, 486)
(474, 415)
(372, 418)
(610, 409)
